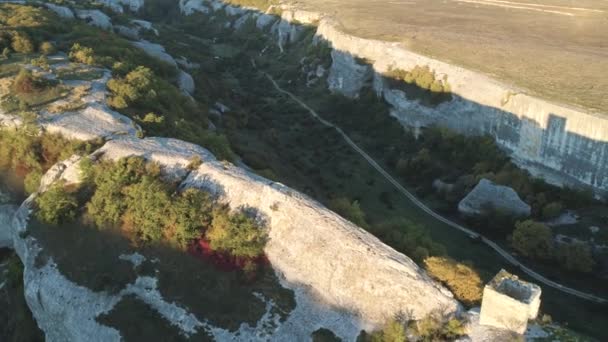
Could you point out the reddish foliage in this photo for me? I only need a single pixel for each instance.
(223, 261)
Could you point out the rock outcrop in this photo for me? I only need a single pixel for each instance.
(346, 286)
(185, 82)
(118, 5)
(95, 18)
(346, 76)
(156, 51)
(303, 235)
(488, 195)
(63, 12)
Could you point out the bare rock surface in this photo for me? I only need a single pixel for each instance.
(95, 18)
(346, 76)
(155, 50)
(95, 120)
(63, 12)
(489, 195)
(185, 82)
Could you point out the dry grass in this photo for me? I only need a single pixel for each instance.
(559, 57)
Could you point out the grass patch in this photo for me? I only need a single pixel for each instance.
(79, 73)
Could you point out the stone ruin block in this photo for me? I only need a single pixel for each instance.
(508, 303)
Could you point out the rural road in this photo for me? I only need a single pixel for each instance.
(502, 252)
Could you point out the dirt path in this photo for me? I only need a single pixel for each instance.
(502, 252)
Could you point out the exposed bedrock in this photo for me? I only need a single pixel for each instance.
(309, 245)
(487, 195)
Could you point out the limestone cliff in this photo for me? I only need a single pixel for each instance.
(563, 144)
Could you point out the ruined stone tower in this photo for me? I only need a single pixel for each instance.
(508, 302)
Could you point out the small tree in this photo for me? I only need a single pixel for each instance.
(349, 210)
(532, 239)
(552, 210)
(26, 83)
(236, 234)
(82, 54)
(47, 48)
(22, 43)
(575, 257)
(56, 205)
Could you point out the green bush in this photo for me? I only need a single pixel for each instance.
(56, 205)
(32, 181)
(552, 210)
(575, 257)
(190, 212)
(533, 239)
(410, 238)
(147, 208)
(393, 331)
(82, 54)
(135, 88)
(22, 43)
(47, 48)
(438, 327)
(107, 205)
(237, 234)
(349, 210)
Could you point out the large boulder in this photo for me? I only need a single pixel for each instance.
(155, 50)
(63, 12)
(489, 195)
(186, 82)
(95, 18)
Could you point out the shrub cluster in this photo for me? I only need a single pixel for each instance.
(29, 153)
(131, 193)
(422, 83)
(535, 240)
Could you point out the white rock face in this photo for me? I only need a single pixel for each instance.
(117, 5)
(346, 76)
(184, 62)
(499, 197)
(188, 7)
(185, 82)
(146, 25)
(173, 155)
(303, 244)
(264, 20)
(95, 18)
(94, 121)
(562, 144)
(8, 120)
(155, 50)
(63, 12)
(127, 32)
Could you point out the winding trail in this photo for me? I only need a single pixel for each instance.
(502, 252)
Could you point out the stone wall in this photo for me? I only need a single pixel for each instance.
(508, 303)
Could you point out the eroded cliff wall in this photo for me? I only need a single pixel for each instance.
(563, 144)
